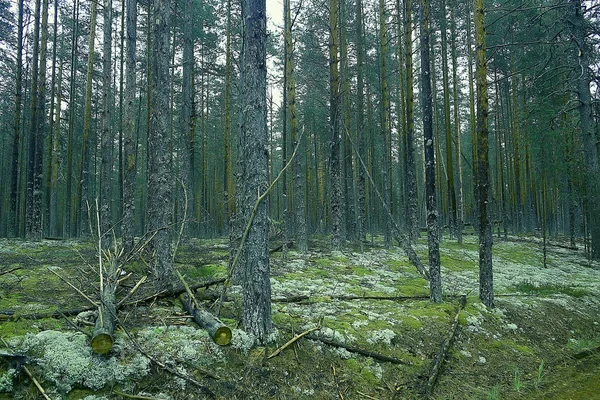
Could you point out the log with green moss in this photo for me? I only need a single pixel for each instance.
(218, 331)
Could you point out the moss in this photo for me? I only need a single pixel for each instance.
(503, 344)
(454, 263)
(324, 262)
(361, 271)
(360, 371)
(412, 287)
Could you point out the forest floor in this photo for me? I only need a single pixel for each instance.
(524, 348)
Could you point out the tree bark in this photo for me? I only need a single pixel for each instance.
(590, 150)
(160, 179)
(106, 138)
(127, 226)
(254, 172)
(334, 127)
(412, 216)
(218, 331)
(433, 238)
(361, 219)
(14, 213)
(385, 122)
(486, 282)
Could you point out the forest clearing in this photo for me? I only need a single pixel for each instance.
(525, 348)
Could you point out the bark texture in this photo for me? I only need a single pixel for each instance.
(127, 226)
(160, 182)
(106, 139)
(254, 173)
(486, 278)
(433, 236)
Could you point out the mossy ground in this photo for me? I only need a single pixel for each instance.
(548, 315)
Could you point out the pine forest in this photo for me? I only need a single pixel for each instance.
(299, 199)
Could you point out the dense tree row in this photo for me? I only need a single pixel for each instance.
(134, 123)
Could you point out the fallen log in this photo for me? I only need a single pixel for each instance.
(103, 335)
(280, 247)
(436, 365)
(357, 350)
(218, 331)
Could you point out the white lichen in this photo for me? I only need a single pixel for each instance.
(383, 336)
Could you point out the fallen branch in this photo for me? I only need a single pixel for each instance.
(259, 200)
(175, 292)
(445, 348)
(9, 271)
(135, 396)
(218, 331)
(292, 341)
(356, 350)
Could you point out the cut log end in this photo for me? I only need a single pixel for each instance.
(102, 343)
(222, 336)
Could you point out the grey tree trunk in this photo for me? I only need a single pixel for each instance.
(412, 216)
(486, 278)
(360, 123)
(127, 225)
(106, 139)
(160, 162)
(433, 239)
(253, 171)
(334, 122)
(385, 122)
(590, 150)
(14, 220)
(186, 157)
(33, 133)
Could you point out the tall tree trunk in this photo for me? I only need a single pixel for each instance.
(31, 229)
(129, 178)
(254, 172)
(457, 136)
(360, 122)
(299, 205)
(50, 222)
(590, 150)
(70, 202)
(160, 177)
(348, 169)
(486, 281)
(82, 198)
(433, 240)
(228, 181)
(385, 120)
(14, 188)
(412, 212)
(472, 125)
(453, 211)
(187, 140)
(106, 138)
(334, 127)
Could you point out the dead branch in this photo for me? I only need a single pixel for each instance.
(249, 224)
(356, 350)
(444, 349)
(400, 236)
(292, 341)
(9, 271)
(75, 288)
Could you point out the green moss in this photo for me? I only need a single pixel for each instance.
(412, 322)
(361, 371)
(453, 263)
(506, 343)
(412, 287)
(324, 262)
